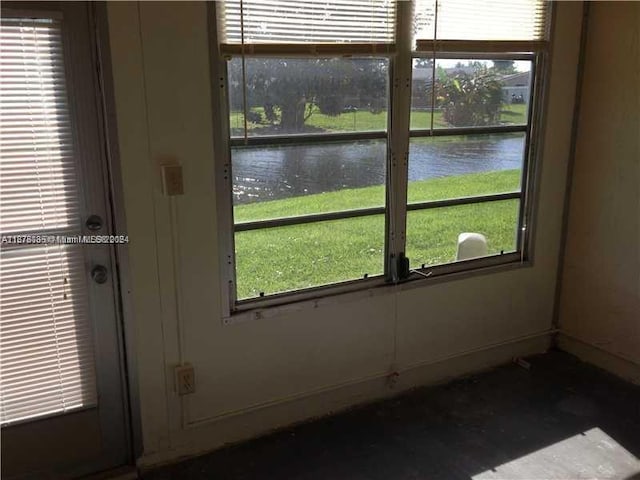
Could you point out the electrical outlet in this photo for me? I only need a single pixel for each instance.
(172, 183)
(185, 379)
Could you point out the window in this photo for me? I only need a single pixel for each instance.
(365, 142)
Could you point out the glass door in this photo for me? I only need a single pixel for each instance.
(62, 401)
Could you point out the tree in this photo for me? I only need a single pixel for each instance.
(423, 63)
(470, 100)
(504, 67)
(291, 90)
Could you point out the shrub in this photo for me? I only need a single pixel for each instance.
(470, 100)
(254, 117)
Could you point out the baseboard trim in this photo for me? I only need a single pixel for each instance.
(620, 366)
(221, 431)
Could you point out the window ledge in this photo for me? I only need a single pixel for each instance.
(361, 289)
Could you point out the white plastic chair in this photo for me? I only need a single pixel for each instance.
(471, 245)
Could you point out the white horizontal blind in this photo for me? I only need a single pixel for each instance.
(46, 352)
(494, 20)
(294, 21)
(38, 172)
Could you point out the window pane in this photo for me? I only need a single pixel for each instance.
(287, 258)
(470, 93)
(477, 93)
(46, 343)
(422, 93)
(38, 177)
(308, 95)
(462, 166)
(291, 180)
(432, 235)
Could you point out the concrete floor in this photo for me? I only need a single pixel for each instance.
(561, 419)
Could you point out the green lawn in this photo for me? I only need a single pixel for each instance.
(366, 121)
(286, 258)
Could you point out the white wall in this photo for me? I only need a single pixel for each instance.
(600, 307)
(258, 375)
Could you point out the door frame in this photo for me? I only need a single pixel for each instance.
(121, 268)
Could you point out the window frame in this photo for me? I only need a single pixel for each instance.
(398, 136)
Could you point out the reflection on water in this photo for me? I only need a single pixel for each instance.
(269, 173)
(432, 159)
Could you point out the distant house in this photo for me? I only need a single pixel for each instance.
(422, 87)
(516, 87)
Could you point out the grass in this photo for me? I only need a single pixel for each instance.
(367, 121)
(287, 258)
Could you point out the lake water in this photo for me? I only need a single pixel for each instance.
(269, 173)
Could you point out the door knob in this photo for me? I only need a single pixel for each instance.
(94, 222)
(99, 274)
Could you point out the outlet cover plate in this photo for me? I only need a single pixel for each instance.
(185, 380)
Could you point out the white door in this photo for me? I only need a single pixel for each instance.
(63, 404)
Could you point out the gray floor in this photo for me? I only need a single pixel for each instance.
(560, 419)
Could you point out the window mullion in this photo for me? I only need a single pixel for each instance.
(528, 179)
(399, 140)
